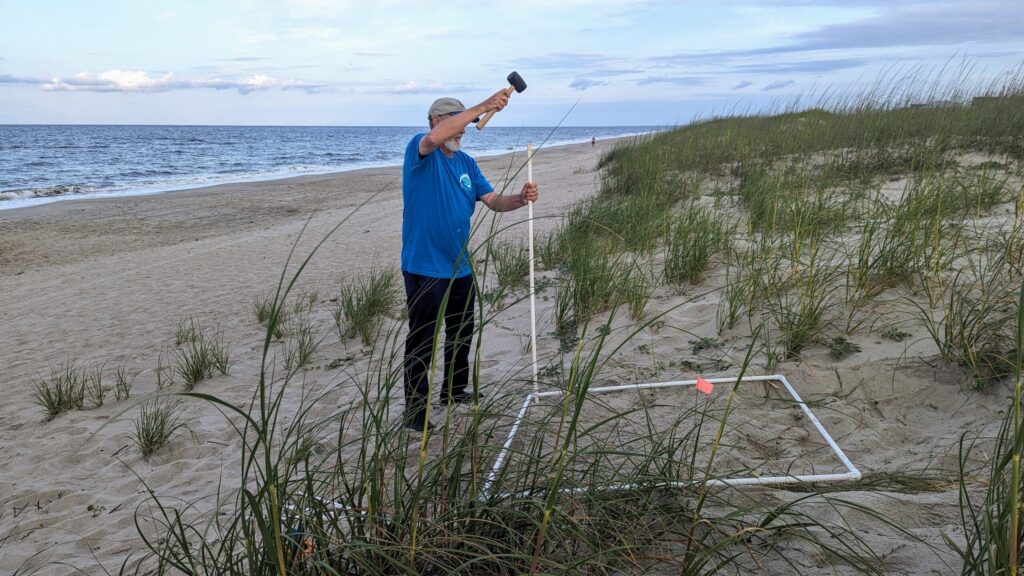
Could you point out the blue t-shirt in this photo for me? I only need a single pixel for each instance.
(439, 195)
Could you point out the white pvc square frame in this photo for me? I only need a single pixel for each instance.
(851, 474)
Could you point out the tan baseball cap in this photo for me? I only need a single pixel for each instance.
(446, 106)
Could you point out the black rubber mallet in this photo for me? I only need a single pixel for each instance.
(517, 84)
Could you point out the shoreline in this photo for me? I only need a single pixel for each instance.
(159, 190)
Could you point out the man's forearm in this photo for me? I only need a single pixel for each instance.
(454, 125)
(509, 203)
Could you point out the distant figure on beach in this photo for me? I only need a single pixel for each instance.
(593, 141)
(440, 188)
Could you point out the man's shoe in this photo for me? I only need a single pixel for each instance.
(459, 397)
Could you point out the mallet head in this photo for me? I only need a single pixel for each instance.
(516, 81)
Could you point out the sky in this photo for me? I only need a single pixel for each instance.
(382, 62)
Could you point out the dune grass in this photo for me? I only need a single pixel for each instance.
(302, 344)
(188, 330)
(164, 373)
(201, 355)
(362, 303)
(219, 352)
(262, 304)
(511, 262)
(64, 390)
(193, 364)
(636, 287)
(94, 388)
(696, 234)
(974, 322)
(992, 528)
(157, 421)
(123, 382)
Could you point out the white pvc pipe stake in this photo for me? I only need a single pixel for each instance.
(533, 297)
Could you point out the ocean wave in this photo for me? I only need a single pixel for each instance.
(62, 190)
(127, 161)
(147, 172)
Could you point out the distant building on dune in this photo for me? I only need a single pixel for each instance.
(935, 104)
(990, 101)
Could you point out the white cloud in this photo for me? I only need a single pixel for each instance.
(676, 80)
(778, 84)
(129, 81)
(259, 82)
(585, 83)
(414, 87)
(435, 87)
(137, 81)
(111, 81)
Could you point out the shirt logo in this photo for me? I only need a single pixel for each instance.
(466, 183)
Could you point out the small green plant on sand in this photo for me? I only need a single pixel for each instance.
(705, 343)
(157, 421)
(220, 352)
(187, 330)
(64, 390)
(94, 385)
(511, 261)
(194, 363)
(895, 334)
(123, 382)
(261, 307)
(636, 288)
(198, 358)
(302, 346)
(363, 301)
(839, 347)
(695, 236)
(280, 324)
(164, 372)
(304, 301)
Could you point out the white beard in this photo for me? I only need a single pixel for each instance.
(452, 144)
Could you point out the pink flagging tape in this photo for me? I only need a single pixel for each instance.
(704, 386)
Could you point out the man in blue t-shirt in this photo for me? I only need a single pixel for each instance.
(440, 188)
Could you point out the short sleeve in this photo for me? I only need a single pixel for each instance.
(412, 153)
(480, 183)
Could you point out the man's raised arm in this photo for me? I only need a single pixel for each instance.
(449, 126)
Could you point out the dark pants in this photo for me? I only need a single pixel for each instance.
(425, 297)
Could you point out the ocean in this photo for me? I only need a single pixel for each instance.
(49, 163)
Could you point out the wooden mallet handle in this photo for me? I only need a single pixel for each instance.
(487, 117)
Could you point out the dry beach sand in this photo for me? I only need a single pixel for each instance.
(108, 280)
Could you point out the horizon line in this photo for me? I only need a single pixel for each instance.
(321, 125)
